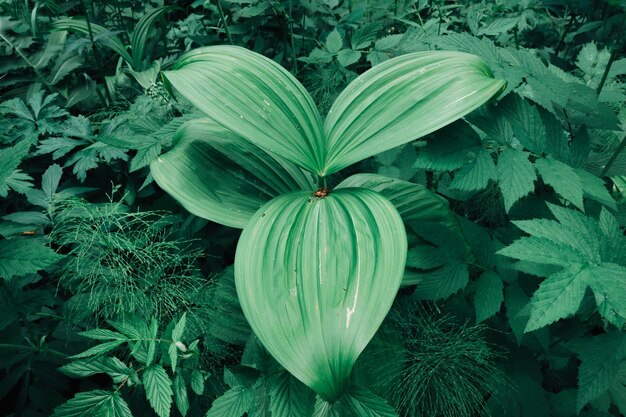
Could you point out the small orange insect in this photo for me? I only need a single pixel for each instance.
(322, 192)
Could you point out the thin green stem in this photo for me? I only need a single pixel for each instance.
(25, 348)
(564, 34)
(293, 44)
(223, 17)
(616, 153)
(30, 64)
(616, 48)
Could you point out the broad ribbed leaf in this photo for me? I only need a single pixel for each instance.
(219, 176)
(316, 277)
(100, 34)
(139, 37)
(403, 99)
(413, 201)
(255, 98)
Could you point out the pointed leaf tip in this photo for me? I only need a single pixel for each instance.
(317, 276)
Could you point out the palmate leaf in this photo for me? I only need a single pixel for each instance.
(316, 277)
(217, 175)
(255, 98)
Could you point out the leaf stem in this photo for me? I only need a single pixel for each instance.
(612, 58)
(30, 64)
(616, 153)
(221, 11)
(24, 348)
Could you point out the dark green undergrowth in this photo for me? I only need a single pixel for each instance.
(116, 301)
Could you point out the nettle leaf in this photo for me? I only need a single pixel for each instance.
(94, 403)
(316, 277)
(357, 402)
(448, 150)
(586, 251)
(489, 295)
(516, 176)
(25, 256)
(526, 122)
(563, 179)
(158, 389)
(219, 176)
(233, 403)
(255, 98)
(600, 357)
(289, 397)
(401, 100)
(10, 159)
(558, 297)
(476, 175)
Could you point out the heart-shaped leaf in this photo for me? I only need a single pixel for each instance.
(255, 98)
(219, 176)
(403, 99)
(316, 277)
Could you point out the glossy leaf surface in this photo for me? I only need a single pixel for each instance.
(403, 99)
(255, 98)
(219, 176)
(316, 277)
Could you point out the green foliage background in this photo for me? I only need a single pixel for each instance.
(115, 301)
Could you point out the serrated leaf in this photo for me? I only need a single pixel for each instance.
(94, 403)
(347, 57)
(443, 282)
(197, 382)
(525, 121)
(611, 302)
(152, 342)
(103, 334)
(448, 150)
(179, 328)
(227, 321)
(476, 176)
(600, 357)
(365, 35)
(595, 189)
(542, 250)
(50, 180)
(353, 242)
(489, 295)
(334, 42)
(558, 297)
(234, 403)
(364, 403)
(217, 175)
(180, 395)
(158, 388)
(516, 176)
(25, 256)
(100, 349)
(516, 302)
(289, 397)
(10, 159)
(563, 179)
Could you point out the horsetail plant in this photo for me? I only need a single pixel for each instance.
(316, 269)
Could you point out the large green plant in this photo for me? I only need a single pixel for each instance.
(316, 270)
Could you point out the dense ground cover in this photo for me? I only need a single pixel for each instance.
(117, 301)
